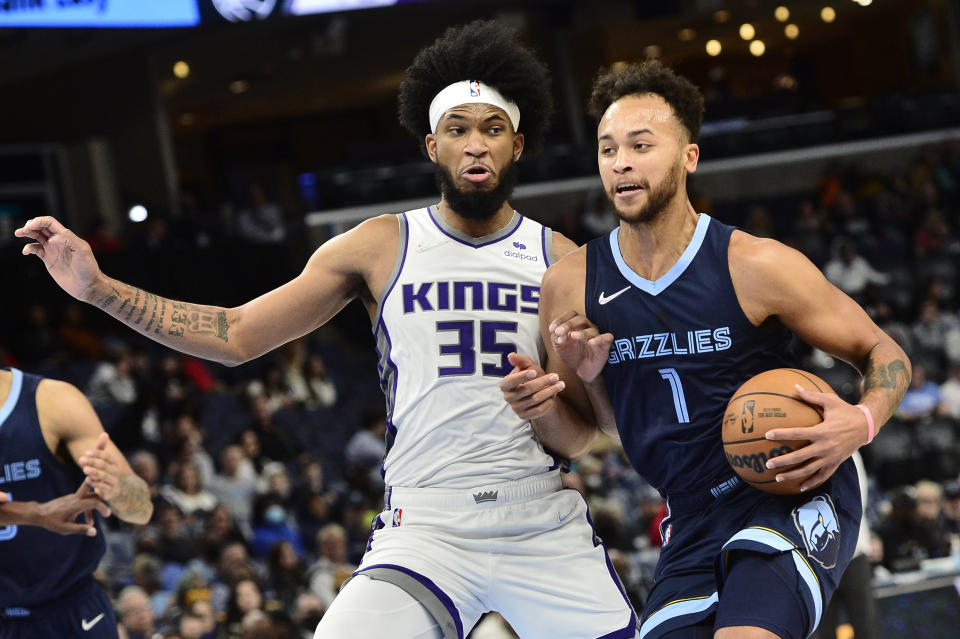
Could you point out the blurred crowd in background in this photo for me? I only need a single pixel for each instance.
(265, 477)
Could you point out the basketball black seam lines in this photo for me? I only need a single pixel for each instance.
(804, 375)
(796, 399)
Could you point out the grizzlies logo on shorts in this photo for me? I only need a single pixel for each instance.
(817, 523)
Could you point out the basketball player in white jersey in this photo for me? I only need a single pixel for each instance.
(475, 517)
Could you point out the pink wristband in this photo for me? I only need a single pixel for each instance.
(870, 426)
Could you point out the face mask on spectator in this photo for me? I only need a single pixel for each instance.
(275, 514)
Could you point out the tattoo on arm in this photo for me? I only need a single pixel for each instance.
(891, 376)
(107, 300)
(187, 320)
(132, 503)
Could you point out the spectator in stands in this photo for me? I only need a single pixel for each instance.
(807, 235)
(850, 272)
(929, 335)
(950, 394)
(367, 446)
(145, 465)
(274, 442)
(186, 441)
(285, 574)
(930, 513)
(922, 397)
(187, 494)
(135, 613)
(249, 441)
(326, 575)
(245, 597)
(319, 389)
(80, 340)
(260, 221)
(235, 485)
(951, 514)
(176, 542)
(308, 609)
(113, 383)
(272, 388)
(907, 539)
(220, 529)
(37, 342)
(272, 523)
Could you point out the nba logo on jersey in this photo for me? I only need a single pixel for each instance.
(667, 533)
(475, 88)
(397, 515)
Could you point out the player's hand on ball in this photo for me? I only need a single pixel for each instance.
(528, 389)
(580, 344)
(842, 431)
(102, 469)
(68, 258)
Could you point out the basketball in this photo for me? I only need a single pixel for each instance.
(765, 402)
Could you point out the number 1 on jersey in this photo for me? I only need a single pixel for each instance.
(679, 402)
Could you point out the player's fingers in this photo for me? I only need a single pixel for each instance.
(584, 334)
(33, 249)
(513, 380)
(537, 410)
(44, 223)
(102, 441)
(100, 461)
(545, 393)
(4, 497)
(521, 361)
(804, 470)
(76, 529)
(806, 433)
(813, 397)
(561, 319)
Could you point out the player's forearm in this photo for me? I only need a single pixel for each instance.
(195, 329)
(19, 513)
(132, 504)
(886, 378)
(567, 436)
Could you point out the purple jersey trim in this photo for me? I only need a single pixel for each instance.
(441, 596)
(543, 243)
(461, 241)
(630, 630)
(395, 277)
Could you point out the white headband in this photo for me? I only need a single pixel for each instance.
(470, 92)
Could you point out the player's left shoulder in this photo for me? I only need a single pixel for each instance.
(761, 259)
(62, 409)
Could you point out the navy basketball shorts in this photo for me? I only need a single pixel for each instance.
(809, 539)
(85, 613)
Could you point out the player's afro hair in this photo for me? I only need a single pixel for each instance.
(482, 50)
(649, 77)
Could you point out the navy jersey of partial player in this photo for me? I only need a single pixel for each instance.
(682, 346)
(37, 565)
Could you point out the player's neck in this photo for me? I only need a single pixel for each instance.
(474, 227)
(6, 381)
(652, 248)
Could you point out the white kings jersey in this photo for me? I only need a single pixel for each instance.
(453, 309)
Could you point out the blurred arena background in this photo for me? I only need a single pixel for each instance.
(206, 147)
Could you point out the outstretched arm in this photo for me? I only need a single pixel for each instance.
(774, 280)
(331, 278)
(66, 417)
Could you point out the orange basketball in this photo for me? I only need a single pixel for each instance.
(765, 402)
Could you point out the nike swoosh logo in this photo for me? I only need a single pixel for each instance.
(423, 249)
(87, 625)
(604, 299)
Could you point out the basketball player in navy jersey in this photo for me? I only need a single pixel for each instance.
(476, 518)
(51, 442)
(653, 327)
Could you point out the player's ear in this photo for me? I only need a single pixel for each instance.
(517, 146)
(691, 157)
(430, 141)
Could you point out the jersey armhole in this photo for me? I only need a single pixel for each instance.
(402, 241)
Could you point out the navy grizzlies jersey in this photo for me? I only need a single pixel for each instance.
(37, 565)
(682, 346)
